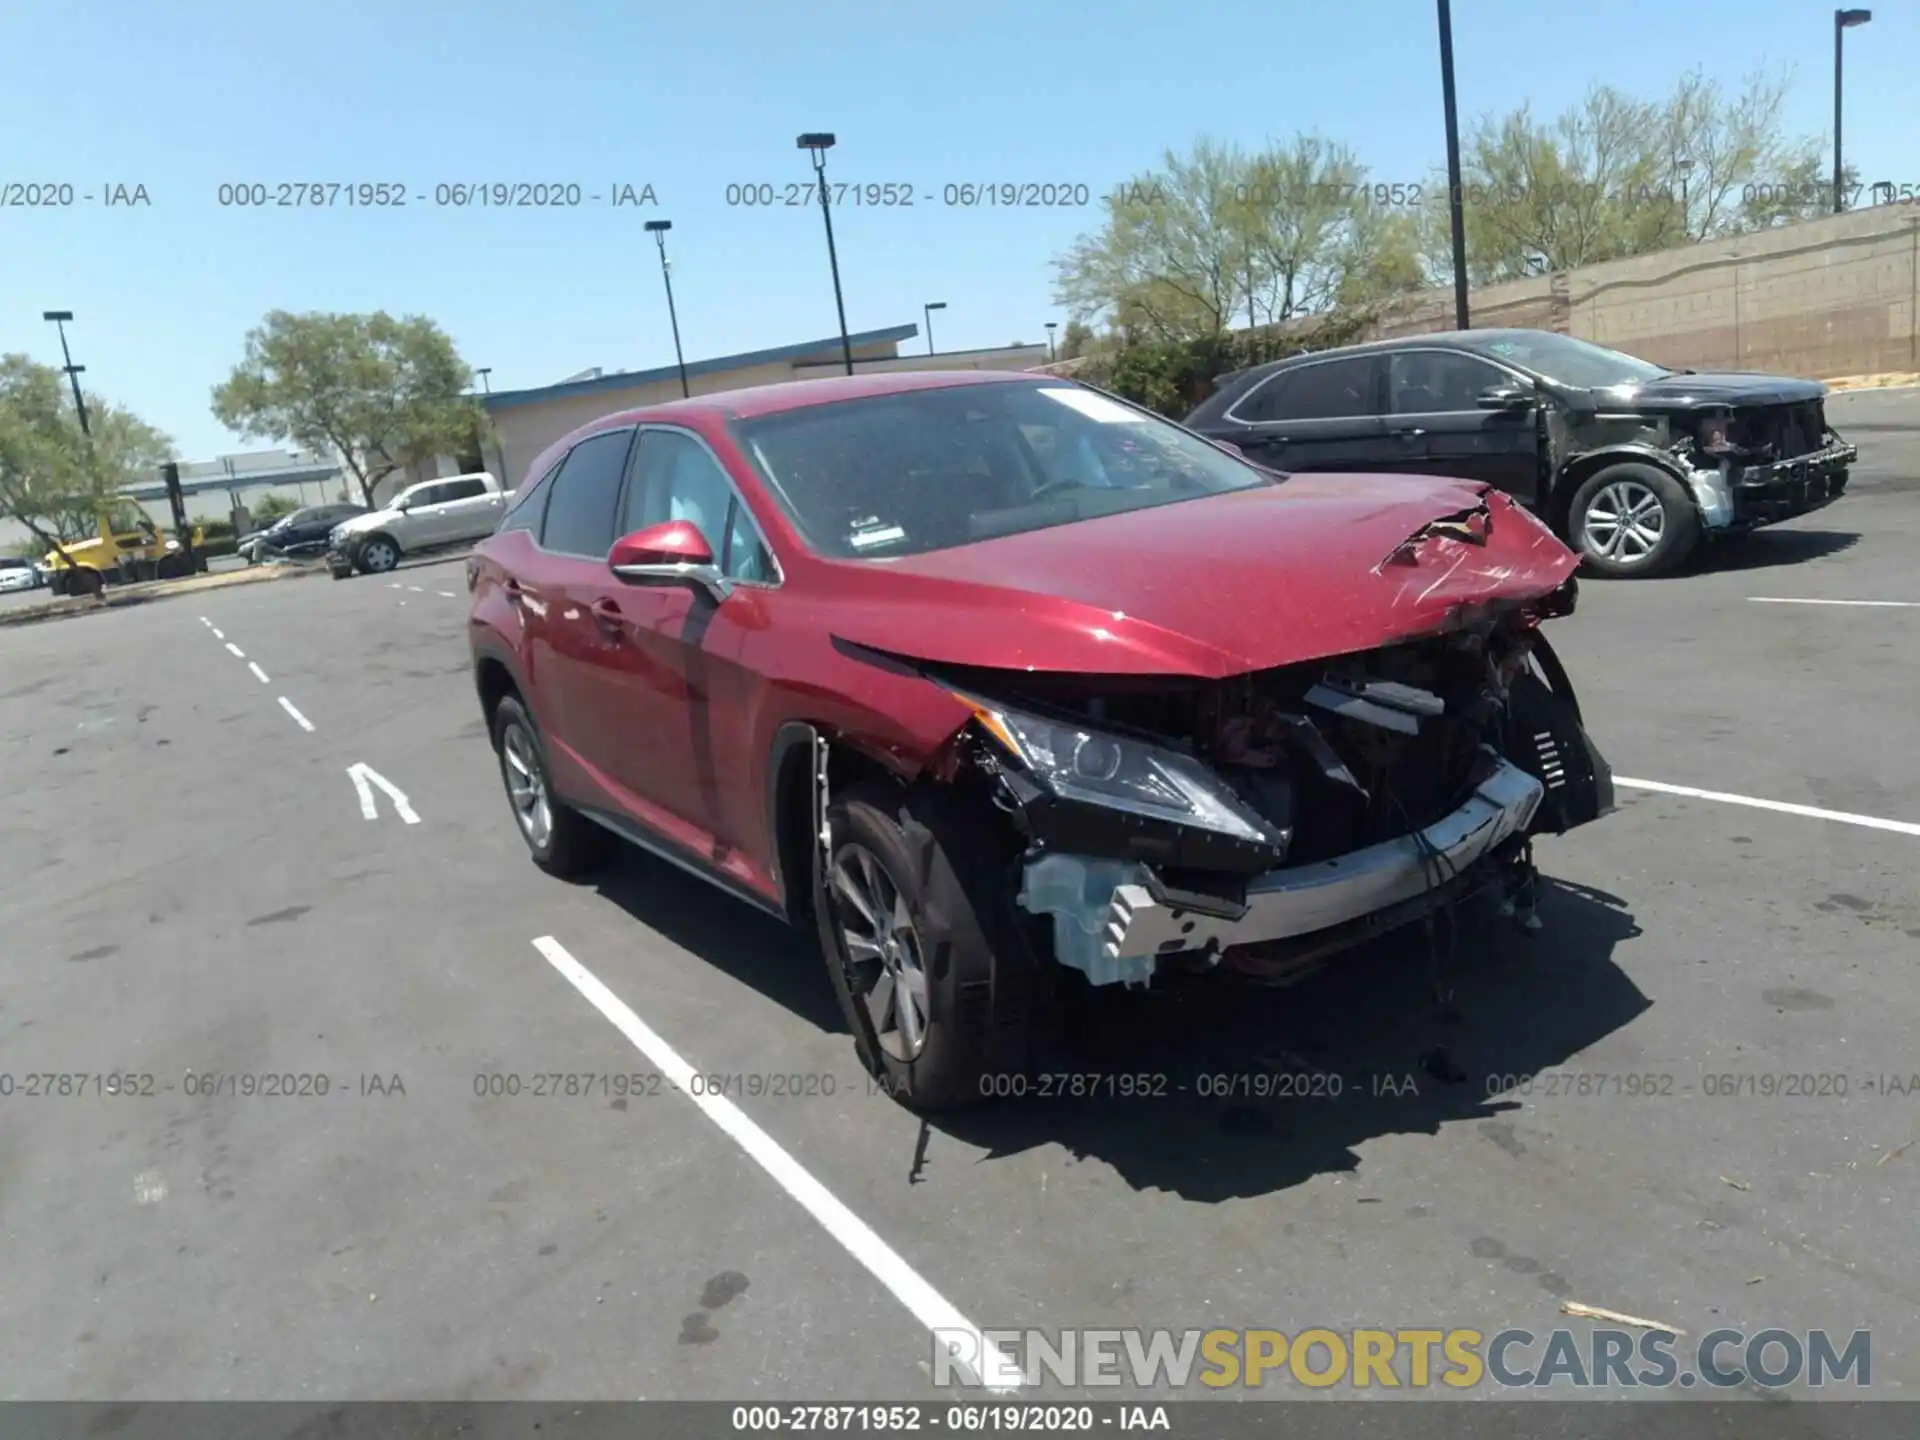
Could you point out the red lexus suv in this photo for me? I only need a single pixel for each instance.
(1001, 684)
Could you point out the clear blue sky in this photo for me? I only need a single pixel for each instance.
(184, 95)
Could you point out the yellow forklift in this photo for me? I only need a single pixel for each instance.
(115, 541)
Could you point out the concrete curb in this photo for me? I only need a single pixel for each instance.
(1880, 380)
(120, 597)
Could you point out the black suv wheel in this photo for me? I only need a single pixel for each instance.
(1630, 521)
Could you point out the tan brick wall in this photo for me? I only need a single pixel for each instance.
(1825, 298)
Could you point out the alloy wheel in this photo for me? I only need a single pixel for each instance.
(877, 931)
(1624, 523)
(526, 786)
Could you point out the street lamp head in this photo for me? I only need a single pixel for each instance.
(57, 315)
(657, 226)
(936, 305)
(1847, 19)
(815, 140)
(1053, 324)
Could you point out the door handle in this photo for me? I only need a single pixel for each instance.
(513, 592)
(1412, 434)
(606, 614)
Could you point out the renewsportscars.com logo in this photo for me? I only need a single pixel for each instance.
(1395, 1359)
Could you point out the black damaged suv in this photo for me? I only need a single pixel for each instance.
(1632, 464)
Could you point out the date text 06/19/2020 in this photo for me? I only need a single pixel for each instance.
(444, 195)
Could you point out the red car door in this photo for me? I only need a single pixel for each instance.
(565, 649)
(670, 700)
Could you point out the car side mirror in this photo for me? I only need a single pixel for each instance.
(673, 552)
(1506, 397)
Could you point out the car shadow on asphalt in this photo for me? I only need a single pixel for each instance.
(1252, 1090)
(750, 945)
(1216, 1090)
(1765, 549)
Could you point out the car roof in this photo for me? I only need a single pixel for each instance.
(758, 400)
(1474, 340)
(1227, 389)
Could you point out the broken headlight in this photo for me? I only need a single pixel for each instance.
(1096, 768)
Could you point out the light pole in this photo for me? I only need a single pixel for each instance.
(1843, 20)
(1455, 217)
(927, 311)
(483, 372)
(659, 229)
(819, 142)
(1052, 325)
(59, 319)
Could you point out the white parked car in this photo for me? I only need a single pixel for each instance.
(432, 515)
(19, 574)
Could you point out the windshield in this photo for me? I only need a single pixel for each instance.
(930, 469)
(1574, 362)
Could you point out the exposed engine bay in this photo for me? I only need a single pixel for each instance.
(1305, 808)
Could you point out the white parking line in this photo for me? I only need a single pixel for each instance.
(416, 589)
(928, 1306)
(1811, 812)
(205, 621)
(364, 778)
(258, 673)
(219, 634)
(446, 595)
(236, 650)
(298, 718)
(1871, 604)
(395, 585)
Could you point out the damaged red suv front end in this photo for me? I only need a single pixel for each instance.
(996, 681)
(1340, 720)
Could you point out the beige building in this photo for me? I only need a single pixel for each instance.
(527, 421)
(1828, 298)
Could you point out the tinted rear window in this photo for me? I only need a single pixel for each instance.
(580, 509)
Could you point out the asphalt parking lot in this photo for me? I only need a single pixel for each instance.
(202, 877)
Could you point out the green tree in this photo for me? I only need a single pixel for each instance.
(1170, 261)
(272, 507)
(1222, 237)
(53, 476)
(380, 393)
(1615, 176)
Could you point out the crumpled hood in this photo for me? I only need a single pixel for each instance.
(1688, 392)
(1315, 566)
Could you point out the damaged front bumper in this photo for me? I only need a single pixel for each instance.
(1113, 919)
(1734, 497)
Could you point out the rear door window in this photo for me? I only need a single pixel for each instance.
(1325, 390)
(580, 514)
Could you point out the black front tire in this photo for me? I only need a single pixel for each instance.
(951, 870)
(572, 844)
(376, 556)
(1617, 509)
